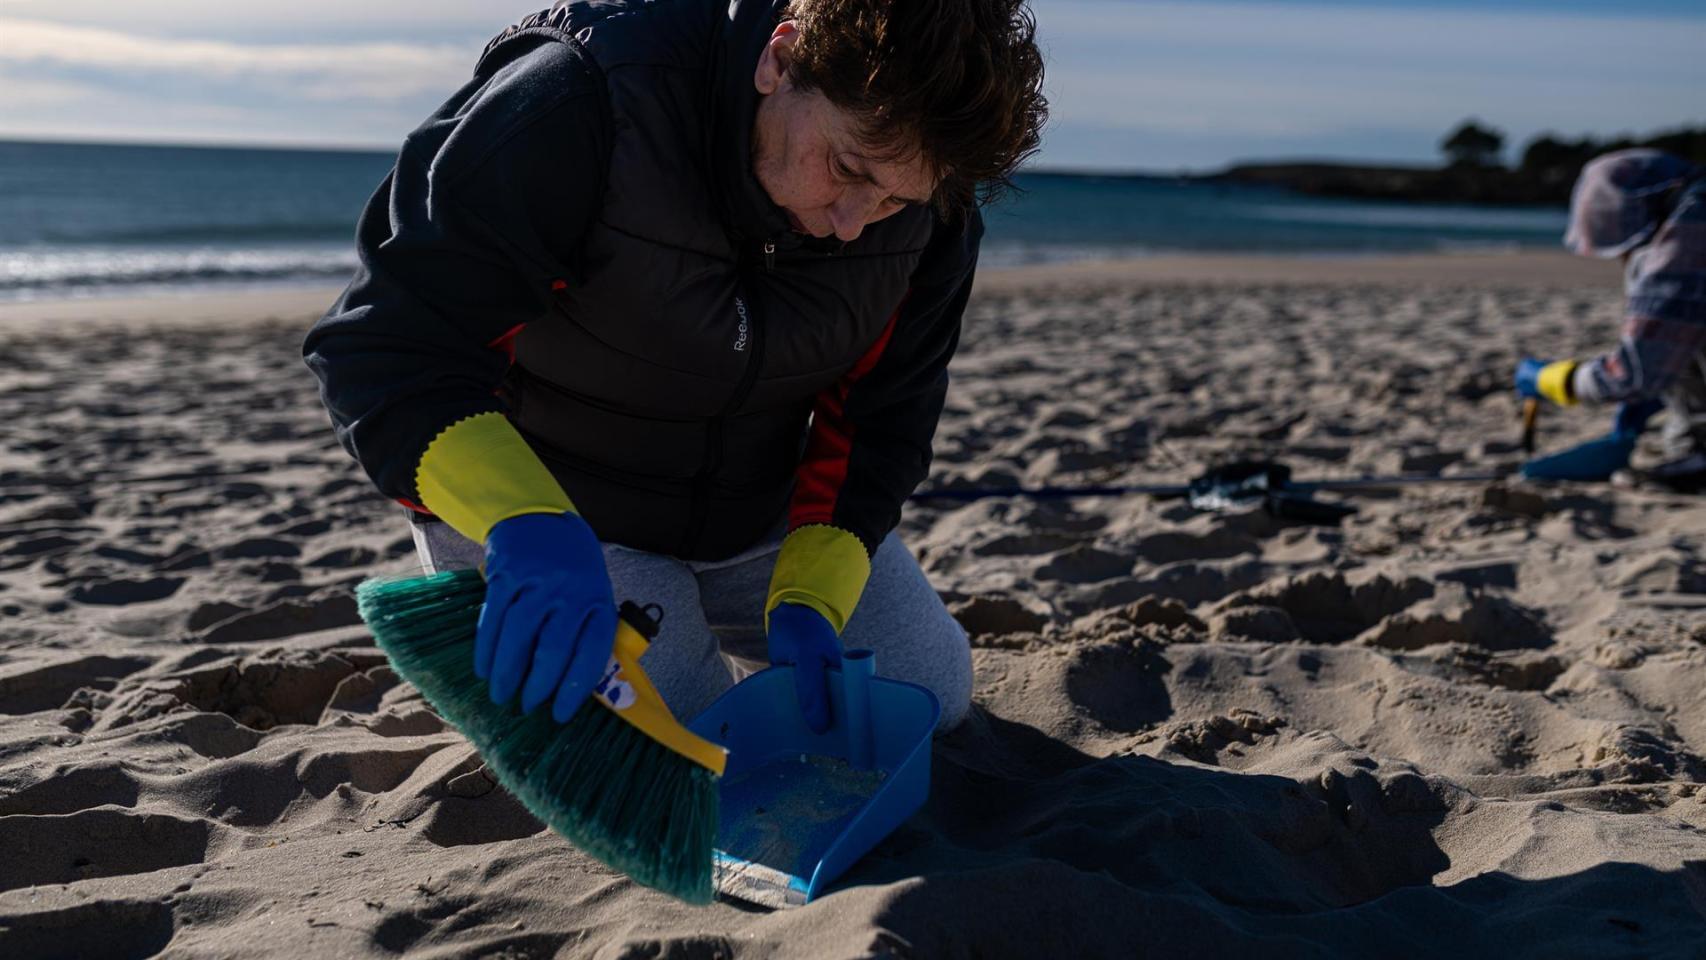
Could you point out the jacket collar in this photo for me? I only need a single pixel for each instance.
(747, 209)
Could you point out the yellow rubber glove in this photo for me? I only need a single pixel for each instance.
(821, 567)
(1556, 382)
(480, 470)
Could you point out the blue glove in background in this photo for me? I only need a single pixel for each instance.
(1591, 461)
(1599, 458)
(1632, 417)
(801, 636)
(1528, 377)
(549, 621)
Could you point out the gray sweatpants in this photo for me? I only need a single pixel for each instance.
(715, 608)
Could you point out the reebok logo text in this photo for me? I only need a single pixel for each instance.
(744, 328)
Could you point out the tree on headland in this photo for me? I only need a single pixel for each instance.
(1554, 162)
(1548, 166)
(1472, 145)
(1547, 151)
(1686, 143)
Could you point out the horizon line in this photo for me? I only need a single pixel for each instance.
(1156, 173)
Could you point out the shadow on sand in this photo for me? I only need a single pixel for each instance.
(1030, 848)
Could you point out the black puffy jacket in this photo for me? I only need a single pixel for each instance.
(576, 238)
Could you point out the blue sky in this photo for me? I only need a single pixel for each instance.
(1135, 85)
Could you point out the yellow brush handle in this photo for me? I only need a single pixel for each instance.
(626, 690)
(1530, 419)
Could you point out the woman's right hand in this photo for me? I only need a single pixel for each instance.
(549, 621)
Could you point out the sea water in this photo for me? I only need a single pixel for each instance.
(88, 219)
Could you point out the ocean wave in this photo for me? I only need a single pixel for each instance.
(30, 271)
(71, 271)
(192, 234)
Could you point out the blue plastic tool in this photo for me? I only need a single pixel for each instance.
(799, 808)
(1597, 459)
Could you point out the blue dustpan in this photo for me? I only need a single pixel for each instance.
(798, 808)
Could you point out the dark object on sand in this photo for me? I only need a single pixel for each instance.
(604, 780)
(1530, 420)
(1229, 488)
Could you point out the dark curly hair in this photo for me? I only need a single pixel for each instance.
(959, 81)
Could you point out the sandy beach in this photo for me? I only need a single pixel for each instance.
(1470, 721)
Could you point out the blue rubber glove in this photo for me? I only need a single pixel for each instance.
(1528, 376)
(801, 636)
(1599, 458)
(549, 621)
(1594, 460)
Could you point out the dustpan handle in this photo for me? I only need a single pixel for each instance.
(857, 668)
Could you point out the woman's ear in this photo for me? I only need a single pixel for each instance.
(772, 73)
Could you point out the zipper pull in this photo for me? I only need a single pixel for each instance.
(769, 255)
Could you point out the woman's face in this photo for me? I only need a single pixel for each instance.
(807, 156)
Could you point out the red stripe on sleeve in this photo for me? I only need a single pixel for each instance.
(823, 469)
(506, 342)
(414, 506)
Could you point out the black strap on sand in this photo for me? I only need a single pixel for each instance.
(1231, 482)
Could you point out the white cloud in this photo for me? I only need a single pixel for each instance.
(1132, 82)
(394, 19)
(24, 92)
(321, 72)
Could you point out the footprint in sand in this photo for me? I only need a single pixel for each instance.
(255, 548)
(121, 592)
(344, 558)
(97, 843)
(1121, 686)
(323, 610)
(996, 615)
(41, 546)
(1458, 616)
(32, 686)
(89, 930)
(94, 784)
(1086, 564)
(267, 691)
(1325, 607)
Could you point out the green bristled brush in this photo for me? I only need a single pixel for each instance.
(622, 780)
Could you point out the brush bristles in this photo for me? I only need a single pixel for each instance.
(597, 780)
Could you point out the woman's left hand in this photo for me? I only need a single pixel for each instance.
(801, 636)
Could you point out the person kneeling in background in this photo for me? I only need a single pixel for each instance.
(1649, 209)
